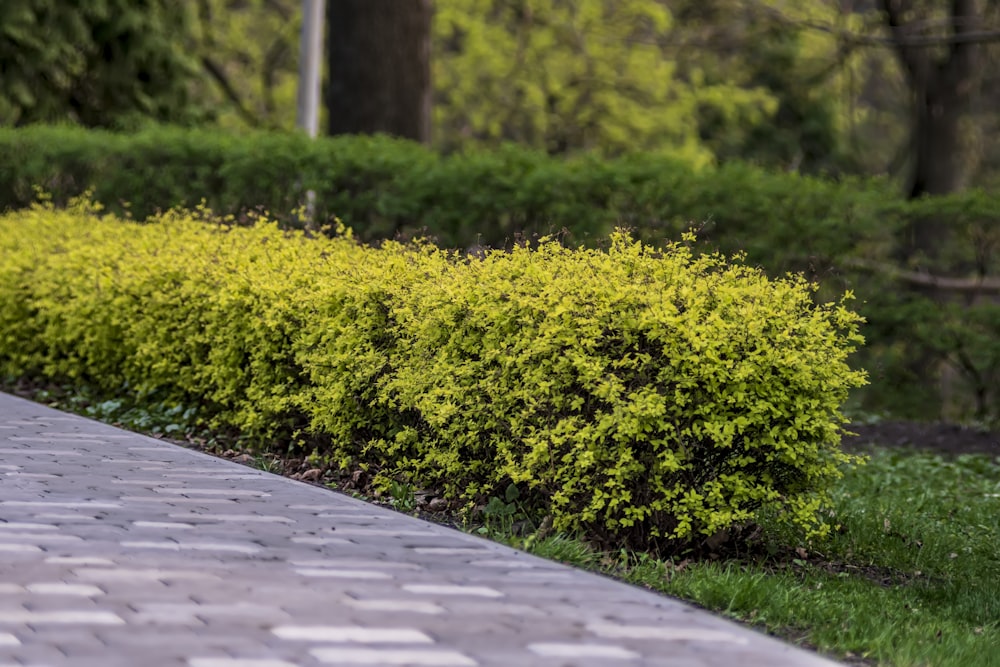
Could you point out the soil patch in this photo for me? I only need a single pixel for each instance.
(938, 437)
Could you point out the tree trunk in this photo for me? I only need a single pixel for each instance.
(939, 148)
(941, 158)
(942, 82)
(379, 67)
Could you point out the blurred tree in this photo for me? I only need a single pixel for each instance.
(939, 46)
(248, 51)
(378, 67)
(734, 43)
(93, 62)
(564, 75)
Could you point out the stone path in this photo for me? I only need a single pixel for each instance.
(121, 550)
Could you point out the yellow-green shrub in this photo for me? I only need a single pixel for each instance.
(632, 393)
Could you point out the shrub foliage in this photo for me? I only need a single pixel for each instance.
(932, 353)
(631, 393)
(383, 188)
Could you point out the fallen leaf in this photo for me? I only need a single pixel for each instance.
(312, 475)
(717, 540)
(437, 505)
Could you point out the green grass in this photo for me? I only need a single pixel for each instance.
(912, 578)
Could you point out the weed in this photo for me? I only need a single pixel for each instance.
(402, 496)
(501, 515)
(268, 464)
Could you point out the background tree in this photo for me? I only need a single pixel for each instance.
(563, 76)
(93, 62)
(248, 54)
(917, 65)
(940, 49)
(378, 67)
(806, 73)
(710, 80)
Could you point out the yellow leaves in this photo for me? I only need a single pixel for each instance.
(634, 390)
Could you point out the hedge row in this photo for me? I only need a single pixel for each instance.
(934, 353)
(631, 394)
(383, 188)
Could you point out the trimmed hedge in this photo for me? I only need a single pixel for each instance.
(632, 394)
(932, 353)
(383, 188)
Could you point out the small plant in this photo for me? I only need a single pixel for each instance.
(164, 418)
(268, 464)
(402, 496)
(501, 515)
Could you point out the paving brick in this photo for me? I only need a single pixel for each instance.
(119, 550)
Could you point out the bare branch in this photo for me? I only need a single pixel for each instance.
(214, 69)
(970, 37)
(915, 63)
(980, 284)
(280, 9)
(206, 21)
(902, 37)
(273, 58)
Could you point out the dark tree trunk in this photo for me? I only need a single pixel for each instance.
(379, 67)
(942, 81)
(939, 147)
(941, 159)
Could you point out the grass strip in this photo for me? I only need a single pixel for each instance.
(911, 578)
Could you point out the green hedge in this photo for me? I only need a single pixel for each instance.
(382, 188)
(932, 353)
(632, 394)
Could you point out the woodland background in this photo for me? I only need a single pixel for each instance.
(820, 86)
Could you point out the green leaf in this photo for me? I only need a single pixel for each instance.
(512, 493)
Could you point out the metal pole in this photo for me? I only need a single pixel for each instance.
(310, 60)
(310, 66)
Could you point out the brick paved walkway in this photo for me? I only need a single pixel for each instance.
(121, 550)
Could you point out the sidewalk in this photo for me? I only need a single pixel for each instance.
(118, 550)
